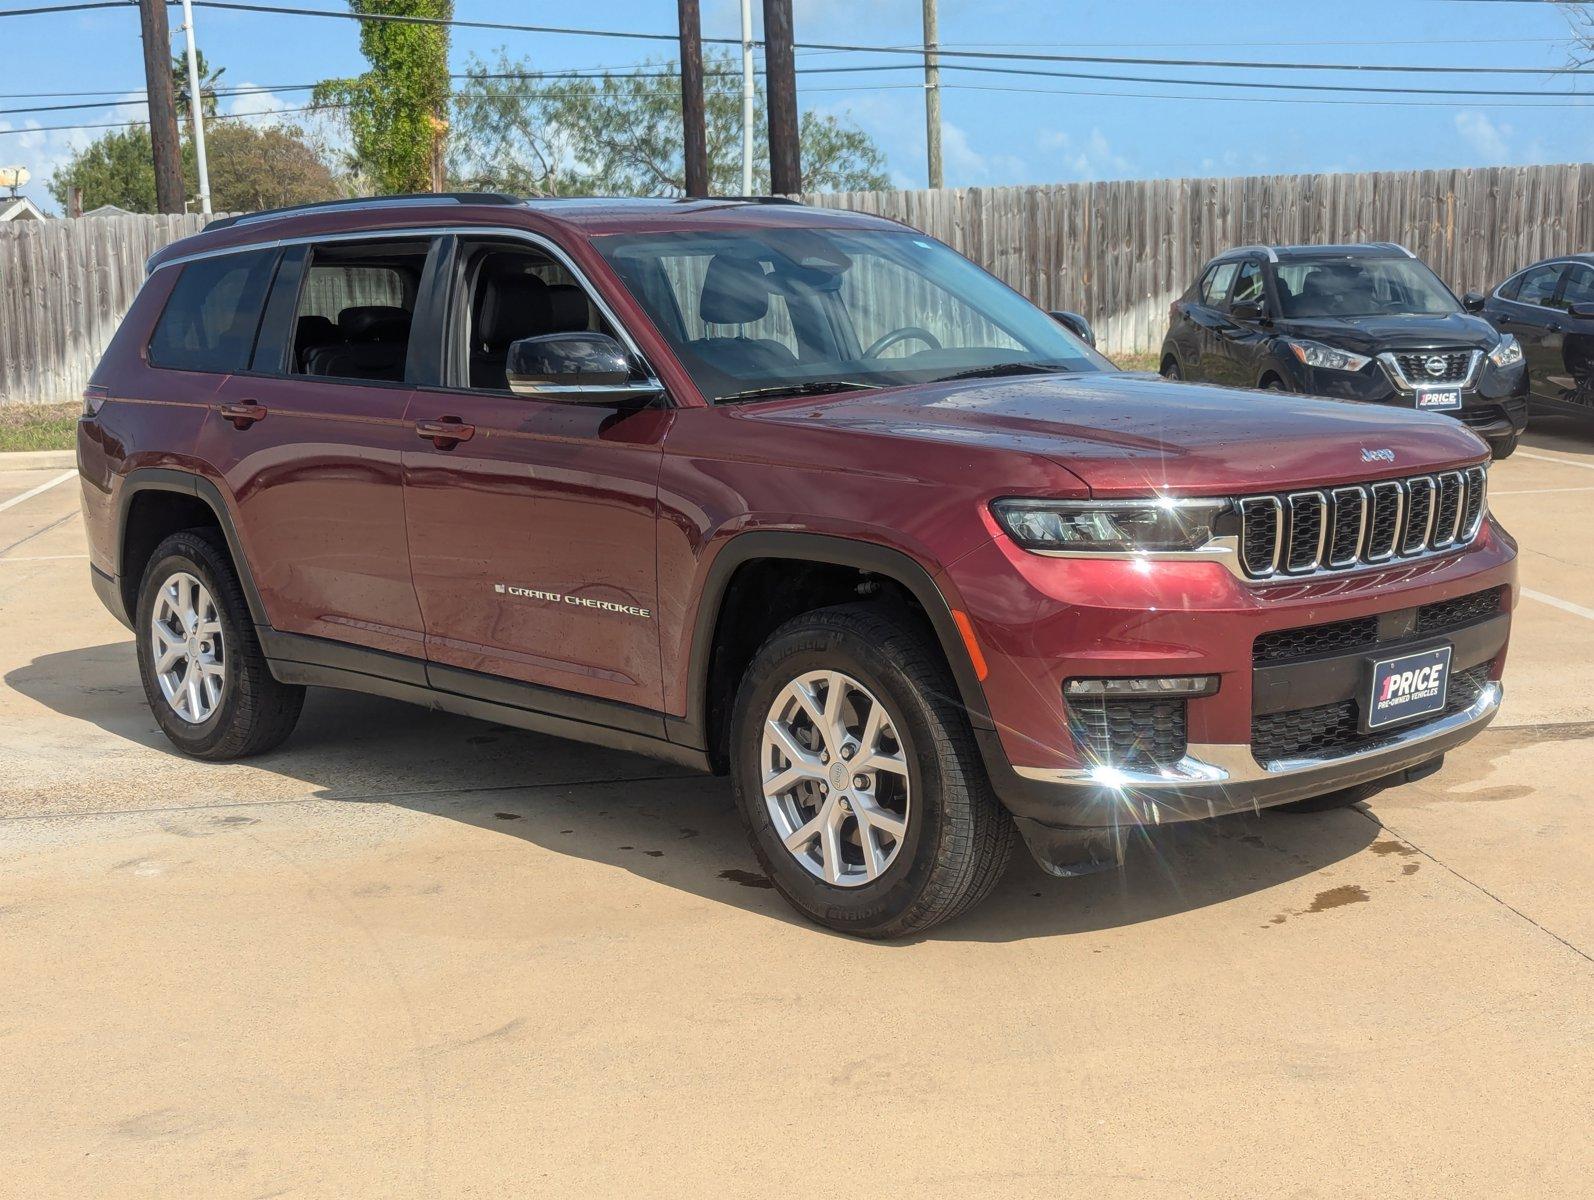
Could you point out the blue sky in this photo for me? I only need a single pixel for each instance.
(1037, 130)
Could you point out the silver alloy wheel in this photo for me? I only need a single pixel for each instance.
(835, 778)
(189, 653)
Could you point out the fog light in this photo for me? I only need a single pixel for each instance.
(1147, 688)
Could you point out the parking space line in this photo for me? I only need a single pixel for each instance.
(1565, 462)
(40, 490)
(1577, 610)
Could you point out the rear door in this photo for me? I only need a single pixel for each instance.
(1572, 379)
(309, 442)
(1527, 307)
(532, 533)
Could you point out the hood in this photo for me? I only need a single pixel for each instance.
(1130, 436)
(1396, 331)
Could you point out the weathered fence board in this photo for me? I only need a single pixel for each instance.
(1120, 252)
(1117, 251)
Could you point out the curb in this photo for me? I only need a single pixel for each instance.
(38, 460)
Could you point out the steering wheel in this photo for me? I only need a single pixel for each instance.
(902, 335)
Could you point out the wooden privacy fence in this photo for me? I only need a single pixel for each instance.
(1118, 252)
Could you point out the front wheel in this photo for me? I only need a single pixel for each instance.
(857, 777)
(1503, 447)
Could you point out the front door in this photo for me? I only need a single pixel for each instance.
(309, 441)
(1570, 378)
(531, 521)
(1239, 341)
(1529, 312)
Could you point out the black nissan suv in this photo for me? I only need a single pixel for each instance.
(1369, 323)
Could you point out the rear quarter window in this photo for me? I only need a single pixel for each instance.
(210, 319)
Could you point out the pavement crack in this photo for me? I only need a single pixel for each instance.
(1473, 883)
(52, 525)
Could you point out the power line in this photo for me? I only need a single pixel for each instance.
(1023, 56)
(62, 8)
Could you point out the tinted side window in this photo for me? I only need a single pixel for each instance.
(1579, 286)
(1537, 285)
(210, 320)
(1248, 288)
(1216, 285)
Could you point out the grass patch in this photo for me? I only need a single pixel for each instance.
(38, 426)
(1149, 361)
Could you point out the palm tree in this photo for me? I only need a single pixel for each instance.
(207, 84)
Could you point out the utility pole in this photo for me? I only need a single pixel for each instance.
(749, 91)
(785, 157)
(196, 110)
(694, 133)
(932, 95)
(168, 150)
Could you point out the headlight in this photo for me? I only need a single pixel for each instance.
(1109, 526)
(1508, 352)
(1315, 354)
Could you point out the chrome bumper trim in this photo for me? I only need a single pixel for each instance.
(1233, 762)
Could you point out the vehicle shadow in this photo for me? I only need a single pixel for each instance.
(654, 820)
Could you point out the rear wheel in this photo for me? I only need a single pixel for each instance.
(857, 777)
(204, 675)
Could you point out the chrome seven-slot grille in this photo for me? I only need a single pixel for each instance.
(1339, 529)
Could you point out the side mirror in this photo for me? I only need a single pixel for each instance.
(1583, 312)
(581, 368)
(1248, 311)
(1076, 325)
(1473, 301)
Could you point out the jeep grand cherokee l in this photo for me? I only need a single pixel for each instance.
(1367, 323)
(798, 495)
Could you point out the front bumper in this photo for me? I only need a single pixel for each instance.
(1102, 619)
(1494, 406)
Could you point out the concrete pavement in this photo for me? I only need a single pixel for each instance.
(414, 955)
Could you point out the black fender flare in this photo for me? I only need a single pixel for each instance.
(838, 551)
(167, 479)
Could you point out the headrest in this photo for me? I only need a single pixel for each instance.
(735, 291)
(569, 308)
(314, 330)
(513, 307)
(374, 323)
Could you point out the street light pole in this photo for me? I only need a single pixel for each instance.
(196, 108)
(932, 96)
(748, 92)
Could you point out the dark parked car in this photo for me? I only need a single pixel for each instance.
(796, 495)
(1549, 309)
(1368, 323)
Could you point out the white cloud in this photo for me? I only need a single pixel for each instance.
(1490, 139)
(1088, 158)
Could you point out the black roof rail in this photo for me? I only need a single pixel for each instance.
(359, 202)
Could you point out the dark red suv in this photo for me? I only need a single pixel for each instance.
(795, 494)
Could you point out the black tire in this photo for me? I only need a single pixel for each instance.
(1170, 368)
(1503, 447)
(254, 713)
(958, 838)
(1274, 384)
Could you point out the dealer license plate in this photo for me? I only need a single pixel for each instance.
(1438, 401)
(1408, 687)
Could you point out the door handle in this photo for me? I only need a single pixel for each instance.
(242, 415)
(446, 432)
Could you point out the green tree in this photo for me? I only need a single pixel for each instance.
(397, 112)
(250, 169)
(620, 134)
(208, 80)
(117, 168)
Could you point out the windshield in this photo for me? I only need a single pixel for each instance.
(1361, 287)
(761, 313)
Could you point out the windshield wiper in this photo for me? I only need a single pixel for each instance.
(814, 388)
(1006, 368)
